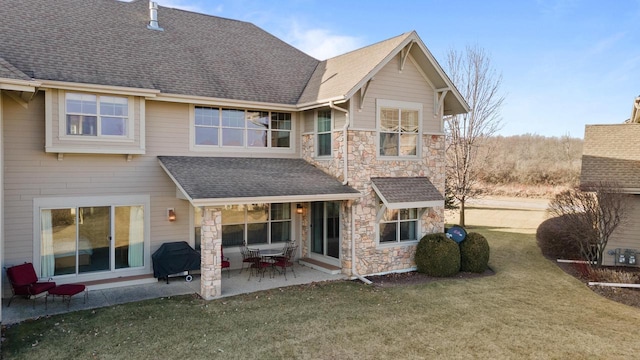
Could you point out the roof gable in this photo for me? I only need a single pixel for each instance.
(339, 78)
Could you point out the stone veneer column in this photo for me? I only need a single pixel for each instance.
(210, 266)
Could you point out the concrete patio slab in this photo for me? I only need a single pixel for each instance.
(238, 283)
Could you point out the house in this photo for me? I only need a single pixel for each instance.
(611, 154)
(127, 125)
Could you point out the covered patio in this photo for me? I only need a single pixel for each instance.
(236, 284)
(218, 183)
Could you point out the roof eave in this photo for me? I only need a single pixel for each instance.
(274, 199)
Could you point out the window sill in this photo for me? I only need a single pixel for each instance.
(400, 158)
(382, 246)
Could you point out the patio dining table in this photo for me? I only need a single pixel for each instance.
(271, 252)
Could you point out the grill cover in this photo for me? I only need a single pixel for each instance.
(174, 257)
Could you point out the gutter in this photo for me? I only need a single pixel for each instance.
(344, 142)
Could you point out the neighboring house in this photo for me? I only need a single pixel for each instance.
(612, 154)
(111, 120)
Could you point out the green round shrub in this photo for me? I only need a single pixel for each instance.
(437, 255)
(474, 253)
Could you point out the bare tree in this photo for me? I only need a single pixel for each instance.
(590, 215)
(478, 82)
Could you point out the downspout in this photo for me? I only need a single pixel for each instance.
(344, 142)
(354, 273)
(346, 180)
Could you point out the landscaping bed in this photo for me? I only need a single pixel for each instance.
(414, 278)
(627, 296)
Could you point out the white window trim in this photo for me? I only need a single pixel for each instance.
(382, 103)
(62, 120)
(88, 201)
(240, 149)
(316, 134)
(398, 243)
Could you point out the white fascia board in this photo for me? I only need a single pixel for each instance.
(442, 74)
(18, 87)
(274, 199)
(323, 102)
(105, 89)
(204, 100)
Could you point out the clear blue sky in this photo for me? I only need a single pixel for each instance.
(564, 63)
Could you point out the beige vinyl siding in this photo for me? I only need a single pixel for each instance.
(339, 118)
(309, 118)
(391, 84)
(627, 236)
(31, 173)
(78, 144)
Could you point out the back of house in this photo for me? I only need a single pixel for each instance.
(127, 125)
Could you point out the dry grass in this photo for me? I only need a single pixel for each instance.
(529, 309)
(613, 276)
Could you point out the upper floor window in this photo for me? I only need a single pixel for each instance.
(323, 133)
(241, 128)
(96, 115)
(399, 127)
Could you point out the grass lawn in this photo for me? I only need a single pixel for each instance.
(529, 309)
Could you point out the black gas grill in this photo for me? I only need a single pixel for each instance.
(174, 258)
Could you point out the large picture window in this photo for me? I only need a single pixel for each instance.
(324, 133)
(256, 224)
(241, 128)
(399, 128)
(96, 115)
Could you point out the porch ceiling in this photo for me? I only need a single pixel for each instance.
(407, 192)
(214, 181)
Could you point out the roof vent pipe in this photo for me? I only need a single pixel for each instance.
(153, 16)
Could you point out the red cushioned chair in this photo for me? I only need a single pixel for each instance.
(285, 262)
(24, 282)
(225, 263)
(247, 258)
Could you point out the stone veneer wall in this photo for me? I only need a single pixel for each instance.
(210, 259)
(362, 165)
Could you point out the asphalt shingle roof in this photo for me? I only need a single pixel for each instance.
(398, 190)
(107, 42)
(9, 71)
(339, 75)
(224, 177)
(611, 154)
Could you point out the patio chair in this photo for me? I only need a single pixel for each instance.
(287, 245)
(247, 258)
(286, 262)
(260, 265)
(24, 282)
(225, 263)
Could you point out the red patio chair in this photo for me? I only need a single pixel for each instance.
(259, 265)
(24, 282)
(286, 262)
(225, 263)
(247, 258)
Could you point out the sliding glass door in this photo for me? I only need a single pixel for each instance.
(89, 239)
(325, 231)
